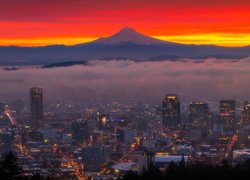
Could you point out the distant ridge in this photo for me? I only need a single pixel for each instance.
(125, 44)
(64, 64)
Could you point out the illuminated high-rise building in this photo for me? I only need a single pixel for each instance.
(245, 114)
(199, 114)
(36, 105)
(171, 111)
(227, 114)
(103, 121)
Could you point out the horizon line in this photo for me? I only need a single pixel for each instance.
(230, 40)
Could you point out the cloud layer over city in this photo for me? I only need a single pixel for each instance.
(127, 80)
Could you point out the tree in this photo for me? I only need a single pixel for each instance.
(130, 175)
(9, 168)
(36, 177)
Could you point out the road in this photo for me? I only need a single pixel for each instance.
(8, 112)
(230, 147)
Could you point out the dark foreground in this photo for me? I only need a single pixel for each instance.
(194, 171)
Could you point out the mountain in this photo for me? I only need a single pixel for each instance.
(125, 44)
(128, 35)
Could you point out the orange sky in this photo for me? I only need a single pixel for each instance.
(35, 22)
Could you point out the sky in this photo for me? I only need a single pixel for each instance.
(103, 81)
(45, 22)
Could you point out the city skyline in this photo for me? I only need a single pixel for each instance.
(95, 130)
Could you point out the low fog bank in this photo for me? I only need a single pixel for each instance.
(128, 81)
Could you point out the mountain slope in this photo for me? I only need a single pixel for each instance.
(128, 35)
(127, 44)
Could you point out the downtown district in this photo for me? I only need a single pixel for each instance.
(66, 140)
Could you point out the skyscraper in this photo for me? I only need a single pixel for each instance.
(80, 131)
(36, 104)
(171, 111)
(227, 114)
(2, 106)
(96, 154)
(245, 114)
(199, 114)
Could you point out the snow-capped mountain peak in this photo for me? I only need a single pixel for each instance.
(128, 35)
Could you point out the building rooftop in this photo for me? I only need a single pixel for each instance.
(168, 159)
(124, 166)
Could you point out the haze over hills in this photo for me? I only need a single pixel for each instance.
(126, 44)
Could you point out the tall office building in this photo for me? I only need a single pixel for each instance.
(171, 111)
(97, 154)
(199, 114)
(80, 131)
(245, 114)
(2, 106)
(227, 114)
(91, 115)
(36, 104)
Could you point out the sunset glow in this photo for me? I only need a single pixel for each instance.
(38, 23)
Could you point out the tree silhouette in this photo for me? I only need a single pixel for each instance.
(130, 176)
(195, 171)
(9, 168)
